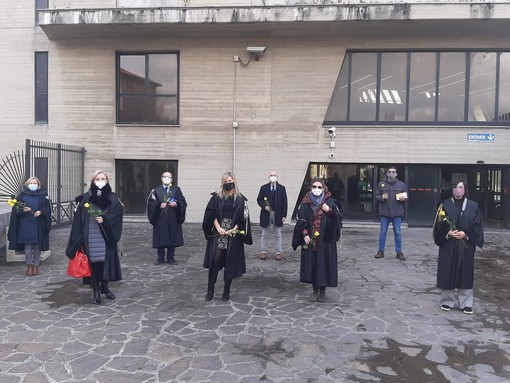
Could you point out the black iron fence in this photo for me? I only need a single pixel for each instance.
(59, 167)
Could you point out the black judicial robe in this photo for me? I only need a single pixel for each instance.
(456, 260)
(235, 265)
(319, 268)
(111, 231)
(167, 222)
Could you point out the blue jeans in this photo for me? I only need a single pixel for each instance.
(385, 223)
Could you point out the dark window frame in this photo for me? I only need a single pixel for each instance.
(434, 123)
(41, 88)
(147, 94)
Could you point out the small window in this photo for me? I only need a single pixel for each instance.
(41, 87)
(147, 88)
(39, 4)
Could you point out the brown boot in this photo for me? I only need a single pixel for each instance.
(35, 270)
(29, 270)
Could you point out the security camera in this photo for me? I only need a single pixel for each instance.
(256, 49)
(331, 155)
(332, 132)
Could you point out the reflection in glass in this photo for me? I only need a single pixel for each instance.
(143, 109)
(41, 87)
(452, 86)
(337, 110)
(422, 88)
(132, 74)
(363, 87)
(504, 88)
(482, 86)
(393, 87)
(163, 74)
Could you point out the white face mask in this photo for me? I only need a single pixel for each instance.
(166, 180)
(100, 184)
(317, 192)
(32, 187)
(273, 179)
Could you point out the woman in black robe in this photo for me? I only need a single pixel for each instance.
(30, 223)
(97, 228)
(458, 229)
(227, 229)
(317, 231)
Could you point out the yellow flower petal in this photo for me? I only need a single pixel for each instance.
(87, 205)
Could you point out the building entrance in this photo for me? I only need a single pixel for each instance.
(354, 186)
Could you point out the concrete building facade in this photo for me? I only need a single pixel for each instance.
(249, 112)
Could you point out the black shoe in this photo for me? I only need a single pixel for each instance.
(210, 294)
(401, 256)
(159, 262)
(97, 297)
(380, 254)
(172, 261)
(322, 295)
(226, 296)
(106, 291)
(445, 308)
(467, 310)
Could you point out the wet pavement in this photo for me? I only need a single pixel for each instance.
(381, 324)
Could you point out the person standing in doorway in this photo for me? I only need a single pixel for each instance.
(166, 211)
(458, 229)
(272, 200)
(227, 229)
(391, 195)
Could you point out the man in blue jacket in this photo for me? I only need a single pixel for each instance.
(272, 200)
(391, 195)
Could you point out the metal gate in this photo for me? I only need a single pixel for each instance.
(59, 167)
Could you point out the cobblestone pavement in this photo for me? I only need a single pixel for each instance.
(381, 324)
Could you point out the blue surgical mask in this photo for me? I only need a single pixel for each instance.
(32, 187)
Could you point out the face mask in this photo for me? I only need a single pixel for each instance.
(100, 184)
(317, 192)
(167, 180)
(228, 186)
(273, 179)
(458, 193)
(391, 176)
(32, 187)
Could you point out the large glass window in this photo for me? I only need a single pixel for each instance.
(41, 87)
(422, 86)
(393, 93)
(504, 88)
(452, 86)
(363, 87)
(482, 86)
(39, 4)
(148, 88)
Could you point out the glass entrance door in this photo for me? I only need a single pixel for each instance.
(136, 178)
(424, 194)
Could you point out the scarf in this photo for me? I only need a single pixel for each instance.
(100, 197)
(316, 201)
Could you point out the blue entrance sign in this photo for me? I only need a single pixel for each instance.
(481, 137)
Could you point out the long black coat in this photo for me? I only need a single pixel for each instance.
(167, 222)
(280, 204)
(456, 260)
(318, 266)
(235, 265)
(111, 231)
(43, 222)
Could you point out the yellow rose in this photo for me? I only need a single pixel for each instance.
(14, 200)
(241, 232)
(382, 185)
(316, 234)
(442, 214)
(87, 205)
(265, 198)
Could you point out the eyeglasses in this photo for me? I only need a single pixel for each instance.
(316, 187)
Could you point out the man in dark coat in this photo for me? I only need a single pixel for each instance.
(391, 195)
(272, 200)
(457, 231)
(317, 231)
(166, 211)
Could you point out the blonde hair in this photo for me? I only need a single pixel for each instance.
(222, 193)
(96, 173)
(32, 179)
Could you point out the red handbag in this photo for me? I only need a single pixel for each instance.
(79, 266)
